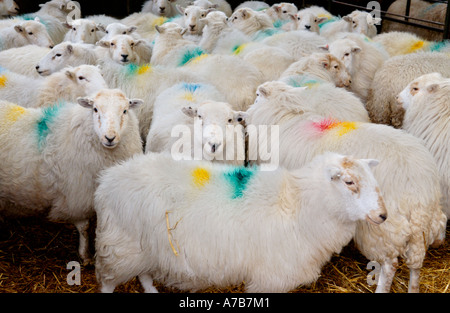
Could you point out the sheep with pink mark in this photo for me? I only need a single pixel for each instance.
(301, 216)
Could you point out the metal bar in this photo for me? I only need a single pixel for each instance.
(408, 7)
(447, 23)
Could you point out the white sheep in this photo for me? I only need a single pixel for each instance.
(8, 7)
(145, 23)
(166, 8)
(395, 74)
(281, 12)
(323, 66)
(23, 34)
(362, 59)
(427, 116)
(187, 117)
(44, 151)
(272, 229)
(191, 19)
(312, 95)
(250, 22)
(253, 4)
(83, 31)
(407, 174)
(114, 29)
(356, 22)
(66, 54)
(65, 85)
(23, 60)
(219, 5)
(125, 49)
(304, 20)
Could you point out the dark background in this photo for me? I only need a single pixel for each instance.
(122, 8)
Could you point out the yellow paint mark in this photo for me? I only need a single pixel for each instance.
(9, 114)
(14, 113)
(159, 21)
(239, 49)
(200, 176)
(144, 69)
(416, 46)
(3, 80)
(199, 58)
(188, 96)
(346, 127)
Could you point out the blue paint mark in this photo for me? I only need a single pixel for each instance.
(331, 20)
(191, 54)
(239, 178)
(49, 115)
(191, 87)
(262, 34)
(439, 45)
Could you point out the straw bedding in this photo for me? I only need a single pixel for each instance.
(34, 254)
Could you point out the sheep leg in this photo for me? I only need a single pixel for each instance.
(147, 283)
(414, 278)
(83, 248)
(387, 274)
(107, 288)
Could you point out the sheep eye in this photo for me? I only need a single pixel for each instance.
(230, 120)
(112, 44)
(81, 78)
(107, 32)
(92, 30)
(58, 55)
(336, 66)
(74, 29)
(185, 14)
(349, 183)
(132, 44)
(315, 21)
(203, 15)
(347, 54)
(95, 110)
(199, 116)
(30, 33)
(239, 119)
(124, 111)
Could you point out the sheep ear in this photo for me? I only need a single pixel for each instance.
(377, 21)
(322, 19)
(293, 17)
(371, 162)
(70, 74)
(183, 31)
(159, 29)
(18, 28)
(189, 111)
(244, 14)
(86, 102)
(135, 103)
(324, 47)
(325, 63)
(263, 91)
(433, 88)
(131, 29)
(69, 48)
(240, 117)
(101, 27)
(334, 173)
(67, 25)
(103, 43)
(356, 49)
(347, 19)
(180, 9)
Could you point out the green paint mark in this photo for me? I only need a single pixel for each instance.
(49, 115)
(239, 178)
(439, 45)
(191, 54)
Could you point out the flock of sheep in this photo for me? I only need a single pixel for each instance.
(91, 111)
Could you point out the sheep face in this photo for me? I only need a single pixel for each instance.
(307, 21)
(216, 119)
(114, 29)
(88, 79)
(362, 23)
(8, 7)
(239, 17)
(354, 180)
(122, 49)
(192, 18)
(110, 114)
(162, 7)
(345, 50)
(34, 33)
(423, 86)
(334, 67)
(82, 31)
(282, 11)
(56, 59)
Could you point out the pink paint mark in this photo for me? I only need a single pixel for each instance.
(325, 124)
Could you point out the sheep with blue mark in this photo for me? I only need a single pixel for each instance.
(187, 117)
(244, 214)
(51, 156)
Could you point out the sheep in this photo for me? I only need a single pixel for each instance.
(219, 5)
(355, 22)
(427, 116)
(23, 60)
(66, 54)
(102, 19)
(44, 150)
(253, 4)
(166, 8)
(125, 49)
(407, 174)
(398, 43)
(418, 9)
(283, 211)
(296, 43)
(323, 66)
(8, 7)
(389, 81)
(145, 23)
(114, 29)
(204, 119)
(65, 85)
(280, 12)
(361, 58)
(321, 97)
(83, 31)
(23, 34)
(251, 22)
(304, 20)
(192, 19)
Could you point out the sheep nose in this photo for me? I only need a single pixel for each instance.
(51, 47)
(192, 27)
(307, 26)
(110, 140)
(124, 56)
(37, 67)
(162, 9)
(214, 146)
(383, 216)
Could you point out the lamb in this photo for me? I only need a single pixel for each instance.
(192, 19)
(251, 22)
(23, 34)
(83, 31)
(65, 85)
(43, 149)
(114, 29)
(285, 212)
(418, 9)
(388, 82)
(322, 66)
(362, 60)
(125, 49)
(304, 20)
(8, 7)
(407, 174)
(219, 5)
(320, 97)
(66, 54)
(165, 8)
(200, 108)
(427, 116)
